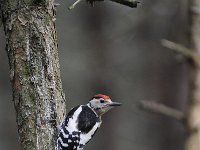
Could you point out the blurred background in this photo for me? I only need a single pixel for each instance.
(116, 50)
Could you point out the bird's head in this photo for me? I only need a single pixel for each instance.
(102, 103)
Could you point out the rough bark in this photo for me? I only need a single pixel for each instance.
(193, 116)
(34, 70)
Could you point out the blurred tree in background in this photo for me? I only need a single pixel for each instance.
(116, 50)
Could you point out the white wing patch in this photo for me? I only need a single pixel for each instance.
(72, 123)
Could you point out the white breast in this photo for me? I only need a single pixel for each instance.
(84, 138)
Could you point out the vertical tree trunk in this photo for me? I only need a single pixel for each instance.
(193, 117)
(34, 70)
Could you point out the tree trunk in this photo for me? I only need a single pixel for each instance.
(32, 50)
(193, 116)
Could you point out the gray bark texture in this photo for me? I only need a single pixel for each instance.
(34, 70)
(193, 116)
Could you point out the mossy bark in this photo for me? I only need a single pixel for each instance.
(32, 50)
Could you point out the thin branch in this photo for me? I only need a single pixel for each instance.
(186, 52)
(129, 3)
(74, 4)
(162, 109)
(178, 48)
(56, 4)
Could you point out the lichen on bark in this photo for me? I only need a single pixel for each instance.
(34, 70)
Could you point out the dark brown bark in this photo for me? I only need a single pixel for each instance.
(34, 70)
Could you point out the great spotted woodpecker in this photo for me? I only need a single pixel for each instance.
(82, 122)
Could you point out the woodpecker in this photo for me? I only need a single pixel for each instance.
(82, 122)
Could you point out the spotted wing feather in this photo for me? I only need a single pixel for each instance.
(78, 128)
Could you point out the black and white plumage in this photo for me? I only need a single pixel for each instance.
(82, 122)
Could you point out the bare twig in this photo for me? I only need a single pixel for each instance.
(129, 3)
(162, 109)
(186, 52)
(178, 48)
(74, 4)
(56, 4)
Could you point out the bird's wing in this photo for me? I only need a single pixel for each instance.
(87, 119)
(68, 134)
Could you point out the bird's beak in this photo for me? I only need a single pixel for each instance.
(113, 104)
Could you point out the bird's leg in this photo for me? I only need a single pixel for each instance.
(73, 5)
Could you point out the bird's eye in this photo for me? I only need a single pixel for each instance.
(102, 101)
